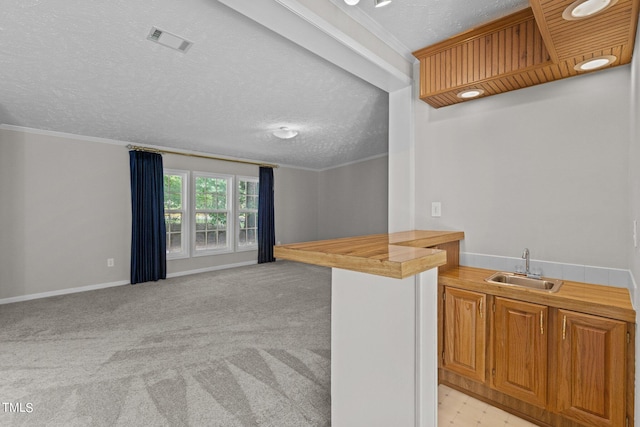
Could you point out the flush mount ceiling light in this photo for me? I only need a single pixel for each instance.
(285, 133)
(582, 9)
(595, 63)
(169, 40)
(470, 93)
(377, 3)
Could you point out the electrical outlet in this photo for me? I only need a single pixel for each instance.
(110, 262)
(436, 209)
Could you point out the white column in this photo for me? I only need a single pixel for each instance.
(401, 161)
(383, 350)
(427, 348)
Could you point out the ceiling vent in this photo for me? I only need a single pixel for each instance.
(169, 40)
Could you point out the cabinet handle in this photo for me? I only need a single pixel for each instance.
(564, 327)
(542, 323)
(480, 309)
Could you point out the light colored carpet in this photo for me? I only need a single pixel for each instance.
(241, 347)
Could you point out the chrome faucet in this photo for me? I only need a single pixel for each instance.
(525, 257)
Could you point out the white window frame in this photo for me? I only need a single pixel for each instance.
(229, 211)
(239, 211)
(186, 214)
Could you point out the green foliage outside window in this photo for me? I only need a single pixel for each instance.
(172, 192)
(211, 193)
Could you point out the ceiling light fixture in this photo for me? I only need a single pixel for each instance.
(582, 9)
(377, 3)
(470, 93)
(285, 133)
(168, 39)
(380, 3)
(595, 63)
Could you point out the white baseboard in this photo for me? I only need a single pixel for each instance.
(62, 292)
(118, 283)
(207, 269)
(633, 289)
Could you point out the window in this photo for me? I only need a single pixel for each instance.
(206, 215)
(213, 219)
(176, 218)
(247, 229)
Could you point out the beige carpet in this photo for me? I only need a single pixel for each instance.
(240, 347)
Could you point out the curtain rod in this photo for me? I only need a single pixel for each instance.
(202, 156)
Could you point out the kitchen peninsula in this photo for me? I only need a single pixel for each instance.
(384, 291)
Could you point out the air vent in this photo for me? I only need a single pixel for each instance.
(169, 40)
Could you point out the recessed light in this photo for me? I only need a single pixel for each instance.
(595, 63)
(285, 133)
(582, 9)
(470, 93)
(352, 2)
(380, 3)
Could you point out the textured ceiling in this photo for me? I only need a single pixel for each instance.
(415, 24)
(86, 68)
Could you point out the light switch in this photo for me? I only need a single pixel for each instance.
(436, 209)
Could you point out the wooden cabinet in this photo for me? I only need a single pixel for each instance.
(545, 363)
(519, 363)
(465, 333)
(590, 368)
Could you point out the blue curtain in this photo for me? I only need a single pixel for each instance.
(266, 223)
(148, 235)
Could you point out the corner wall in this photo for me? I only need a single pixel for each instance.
(296, 205)
(66, 208)
(634, 170)
(353, 199)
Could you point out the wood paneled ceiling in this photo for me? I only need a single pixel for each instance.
(533, 46)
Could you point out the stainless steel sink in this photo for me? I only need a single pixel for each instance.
(513, 279)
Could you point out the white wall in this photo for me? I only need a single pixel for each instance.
(544, 167)
(352, 200)
(296, 205)
(401, 161)
(634, 198)
(634, 169)
(65, 206)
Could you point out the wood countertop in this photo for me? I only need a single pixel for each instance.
(598, 300)
(396, 255)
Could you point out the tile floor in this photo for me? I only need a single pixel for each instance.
(456, 409)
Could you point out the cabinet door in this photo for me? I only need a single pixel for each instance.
(520, 350)
(465, 333)
(591, 369)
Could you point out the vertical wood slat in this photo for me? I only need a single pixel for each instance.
(531, 27)
(441, 58)
(433, 78)
(447, 74)
(470, 65)
(506, 53)
(487, 56)
(476, 59)
(494, 60)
